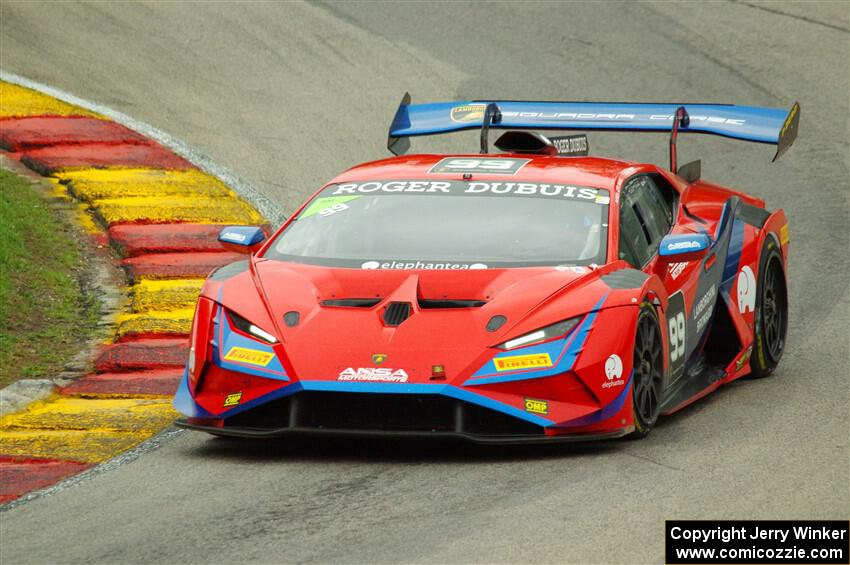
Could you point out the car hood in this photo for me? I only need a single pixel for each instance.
(447, 325)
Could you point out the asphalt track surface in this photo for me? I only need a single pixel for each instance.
(287, 95)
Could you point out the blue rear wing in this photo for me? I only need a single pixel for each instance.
(749, 123)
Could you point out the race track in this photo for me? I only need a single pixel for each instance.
(287, 95)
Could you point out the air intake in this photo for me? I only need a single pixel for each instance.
(396, 313)
(427, 303)
(351, 302)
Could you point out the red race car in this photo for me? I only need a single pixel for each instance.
(534, 294)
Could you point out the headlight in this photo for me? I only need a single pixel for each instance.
(244, 325)
(543, 334)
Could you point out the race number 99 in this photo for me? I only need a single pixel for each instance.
(677, 337)
(677, 333)
(506, 166)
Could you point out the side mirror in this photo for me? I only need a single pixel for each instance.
(684, 247)
(242, 239)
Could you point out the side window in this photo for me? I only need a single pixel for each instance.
(645, 217)
(633, 245)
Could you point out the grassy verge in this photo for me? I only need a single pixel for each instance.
(45, 317)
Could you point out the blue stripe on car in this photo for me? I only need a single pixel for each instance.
(569, 349)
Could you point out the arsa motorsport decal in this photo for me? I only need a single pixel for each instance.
(373, 374)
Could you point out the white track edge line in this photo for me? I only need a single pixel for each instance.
(273, 213)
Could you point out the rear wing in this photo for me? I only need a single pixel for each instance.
(749, 123)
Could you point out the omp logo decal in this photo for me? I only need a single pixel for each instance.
(517, 362)
(250, 356)
(536, 406)
(233, 399)
(468, 113)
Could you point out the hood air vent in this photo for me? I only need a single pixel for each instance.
(396, 313)
(426, 303)
(351, 302)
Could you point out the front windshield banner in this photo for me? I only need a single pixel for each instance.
(449, 225)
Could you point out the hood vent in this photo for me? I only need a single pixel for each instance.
(396, 313)
(351, 302)
(426, 303)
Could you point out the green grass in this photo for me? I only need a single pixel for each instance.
(45, 319)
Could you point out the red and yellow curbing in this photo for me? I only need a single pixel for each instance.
(161, 215)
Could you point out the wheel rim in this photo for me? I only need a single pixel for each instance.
(647, 371)
(773, 312)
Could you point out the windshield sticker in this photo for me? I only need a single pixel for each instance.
(578, 269)
(411, 265)
(327, 205)
(506, 166)
(460, 188)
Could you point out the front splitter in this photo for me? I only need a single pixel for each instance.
(263, 433)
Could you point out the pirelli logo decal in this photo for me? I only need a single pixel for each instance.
(518, 362)
(249, 356)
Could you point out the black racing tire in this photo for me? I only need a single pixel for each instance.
(771, 310)
(648, 372)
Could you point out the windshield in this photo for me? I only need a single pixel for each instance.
(429, 224)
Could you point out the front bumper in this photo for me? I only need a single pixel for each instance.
(403, 416)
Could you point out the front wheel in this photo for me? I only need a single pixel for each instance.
(648, 367)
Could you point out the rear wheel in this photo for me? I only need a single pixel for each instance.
(648, 367)
(771, 313)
